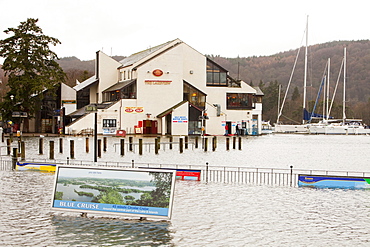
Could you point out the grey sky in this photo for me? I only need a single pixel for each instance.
(227, 28)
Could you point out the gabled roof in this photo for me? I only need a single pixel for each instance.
(119, 85)
(86, 83)
(259, 91)
(136, 57)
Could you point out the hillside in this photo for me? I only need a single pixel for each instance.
(278, 67)
(270, 71)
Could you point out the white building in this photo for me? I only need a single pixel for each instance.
(168, 89)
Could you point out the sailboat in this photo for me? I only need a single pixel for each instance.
(295, 128)
(342, 126)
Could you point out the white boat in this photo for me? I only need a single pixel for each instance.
(348, 127)
(266, 128)
(342, 126)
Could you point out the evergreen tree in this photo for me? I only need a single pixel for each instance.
(31, 67)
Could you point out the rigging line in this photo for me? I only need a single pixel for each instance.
(323, 81)
(336, 86)
(290, 80)
(291, 119)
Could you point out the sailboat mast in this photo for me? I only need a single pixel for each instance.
(327, 91)
(344, 83)
(305, 71)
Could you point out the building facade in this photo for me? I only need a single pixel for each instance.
(170, 89)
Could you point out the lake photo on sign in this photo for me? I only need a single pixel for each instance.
(140, 192)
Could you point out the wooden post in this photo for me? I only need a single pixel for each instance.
(171, 140)
(186, 142)
(140, 146)
(99, 148)
(130, 140)
(23, 151)
(159, 142)
(234, 142)
(227, 143)
(87, 147)
(41, 146)
(214, 143)
(8, 143)
(156, 145)
(61, 145)
(205, 144)
(122, 147)
(181, 147)
(14, 158)
(72, 149)
(240, 143)
(51, 150)
(105, 144)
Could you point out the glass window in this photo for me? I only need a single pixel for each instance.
(241, 101)
(193, 95)
(109, 123)
(216, 76)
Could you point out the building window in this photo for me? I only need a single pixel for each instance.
(239, 101)
(194, 96)
(107, 123)
(216, 76)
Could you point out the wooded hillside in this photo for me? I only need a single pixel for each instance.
(269, 72)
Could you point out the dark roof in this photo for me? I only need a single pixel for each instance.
(82, 111)
(120, 85)
(169, 110)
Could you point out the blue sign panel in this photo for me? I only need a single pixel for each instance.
(341, 182)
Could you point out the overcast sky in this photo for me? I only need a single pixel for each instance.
(227, 28)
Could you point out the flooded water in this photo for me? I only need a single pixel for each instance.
(213, 214)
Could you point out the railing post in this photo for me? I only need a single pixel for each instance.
(291, 176)
(206, 172)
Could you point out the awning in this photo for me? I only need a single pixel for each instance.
(120, 85)
(169, 110)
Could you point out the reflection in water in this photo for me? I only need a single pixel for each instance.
(100, 231)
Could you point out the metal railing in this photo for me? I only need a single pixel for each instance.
(211, 174)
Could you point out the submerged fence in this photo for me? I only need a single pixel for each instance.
(212, 174)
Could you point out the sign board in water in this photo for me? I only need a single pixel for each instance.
(333, 182)
(132, 192)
